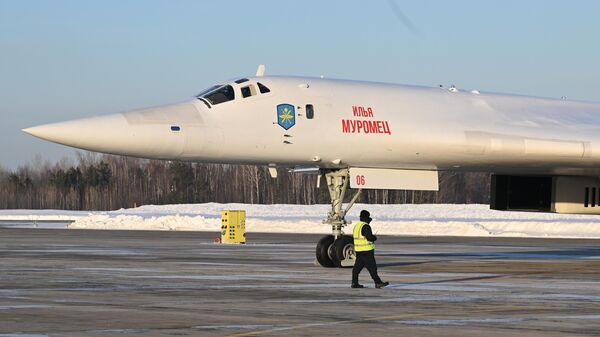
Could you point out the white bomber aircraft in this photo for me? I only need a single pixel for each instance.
(544, 153)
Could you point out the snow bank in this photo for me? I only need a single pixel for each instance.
(428, 220)
(40, 215)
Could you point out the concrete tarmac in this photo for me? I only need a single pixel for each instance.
(134, 283)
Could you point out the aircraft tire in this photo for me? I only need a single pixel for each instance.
(325, 251)
(343, 249)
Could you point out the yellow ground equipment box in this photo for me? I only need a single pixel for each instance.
(233, 226)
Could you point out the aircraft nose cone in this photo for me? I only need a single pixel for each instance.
(79, 132)
(43, 131)
(151, 133)
(88, 133)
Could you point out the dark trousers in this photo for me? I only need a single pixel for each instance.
(365, 259)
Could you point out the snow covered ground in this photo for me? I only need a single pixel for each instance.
(40, 215)
(429, 220)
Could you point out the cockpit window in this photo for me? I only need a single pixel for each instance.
(220, 95)
(262, 88)
(248, 91)
(208, 90)
(241, 80)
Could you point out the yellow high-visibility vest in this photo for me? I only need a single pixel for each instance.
(361, 244)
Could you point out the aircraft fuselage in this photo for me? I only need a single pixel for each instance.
(354, 124)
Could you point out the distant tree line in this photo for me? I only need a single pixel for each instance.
(104, 182)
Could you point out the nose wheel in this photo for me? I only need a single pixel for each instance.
(325, 251)
(337, 249)
(343, 250)
(332, 252)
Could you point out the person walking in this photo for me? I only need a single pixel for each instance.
(364, 249)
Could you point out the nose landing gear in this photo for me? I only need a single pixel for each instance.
(337, 249)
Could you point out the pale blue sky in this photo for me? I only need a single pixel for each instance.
(69, 59)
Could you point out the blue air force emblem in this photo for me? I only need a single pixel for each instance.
(286, 116)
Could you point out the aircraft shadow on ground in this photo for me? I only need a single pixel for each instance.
(582, 253)
(462, 279)
(403, 264)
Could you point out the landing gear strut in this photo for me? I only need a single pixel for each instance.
(337, 249)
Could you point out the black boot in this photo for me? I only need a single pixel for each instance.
(356, 285)
(381, 284)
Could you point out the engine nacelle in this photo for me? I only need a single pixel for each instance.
(550, 194)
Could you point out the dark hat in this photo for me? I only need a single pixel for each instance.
(365, 216)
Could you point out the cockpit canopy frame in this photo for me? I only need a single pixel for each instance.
(222, 93)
